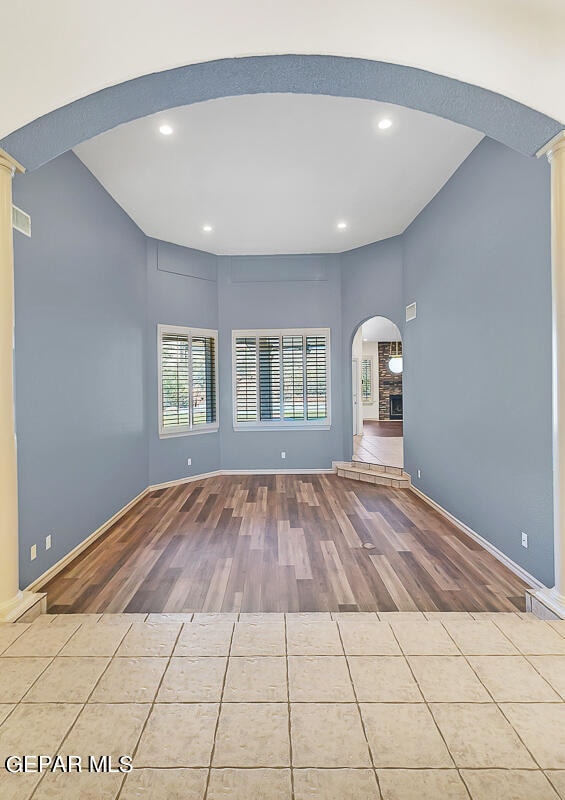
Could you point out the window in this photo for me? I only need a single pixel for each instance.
(187, 380)
(367, 380)
(281, 378)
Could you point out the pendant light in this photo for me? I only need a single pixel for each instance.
(395, 361)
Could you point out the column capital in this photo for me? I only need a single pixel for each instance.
(10, 163)
(555, 144)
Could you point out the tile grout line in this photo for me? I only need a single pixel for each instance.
(73, 723)
(65, 737)
(426, 703)
(152, 704)
(20, 701)
(458, 768)
(529, 657)
(359, 712)
(502, 656)
(289, 709)
(220, 703)
(495, 703)
(126, 631)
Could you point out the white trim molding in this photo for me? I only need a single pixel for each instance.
(548, 147)
(179, 481)
(277, 471)
(498, 554)
(190, 428)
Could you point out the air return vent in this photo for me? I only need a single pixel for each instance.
(21, 221)
(410, 312)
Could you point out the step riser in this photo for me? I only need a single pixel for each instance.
(366, 477)
(378, 467)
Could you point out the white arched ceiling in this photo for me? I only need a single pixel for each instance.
(56, 52)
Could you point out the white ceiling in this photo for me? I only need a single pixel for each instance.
(59, 51)
(380, 329)
(275, 173)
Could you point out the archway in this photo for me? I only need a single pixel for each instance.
(377, 365)
(501, 118)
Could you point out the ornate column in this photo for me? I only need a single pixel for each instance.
(554, 599)
(13, 602)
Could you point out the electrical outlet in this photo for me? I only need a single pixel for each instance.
(48, 542)
(189, 462)
(419, 473)
(33, 552)
(524, 539)
(283, 454)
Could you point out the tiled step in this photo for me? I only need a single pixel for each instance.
(394, 477)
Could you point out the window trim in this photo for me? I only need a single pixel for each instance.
(185, 430)
(278, 425)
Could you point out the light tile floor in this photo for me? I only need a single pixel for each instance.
(287, 707)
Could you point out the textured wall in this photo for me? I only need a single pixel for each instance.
(477, 261)
(497, 116)
(80, 360)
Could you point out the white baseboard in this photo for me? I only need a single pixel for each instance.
(498, 554)
(72, 554)
(188, 479)
(276, 471)
(217, 472)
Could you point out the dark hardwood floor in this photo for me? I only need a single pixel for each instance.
(373, 427)
(283, 543)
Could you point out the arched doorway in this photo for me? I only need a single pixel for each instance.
(377, 393)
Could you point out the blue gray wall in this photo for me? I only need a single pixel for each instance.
(371, 287)
(280, 292)
(79, 360)
(477, 379)
(182, 290)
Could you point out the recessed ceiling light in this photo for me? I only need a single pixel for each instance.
(342, 225)
(207, 228)
(166, 130)
(384, 124)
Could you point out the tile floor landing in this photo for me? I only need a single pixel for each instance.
(287, 706)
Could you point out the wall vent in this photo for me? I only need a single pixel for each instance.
(410, 312)
(21, 221)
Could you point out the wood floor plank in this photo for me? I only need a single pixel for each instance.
(283, 543)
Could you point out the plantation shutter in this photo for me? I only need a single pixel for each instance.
(246, 378)
(281, 377)
(316, 380)
(203, 359)
(270, 377)
(188, 379)
(174, 379)
(293, 377)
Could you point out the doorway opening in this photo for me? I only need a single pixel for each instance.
(377, 366)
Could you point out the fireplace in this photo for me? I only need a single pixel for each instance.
(395, 406)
